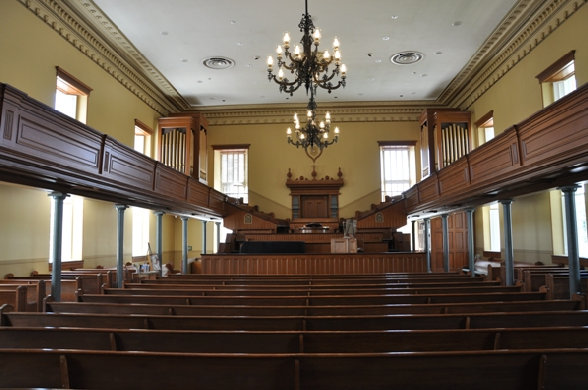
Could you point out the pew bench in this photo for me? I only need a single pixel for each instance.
(557, 286)
(155, 296)
(199, 310)
(215, 341)
(560, 369)
(15, 297)
(322, 323)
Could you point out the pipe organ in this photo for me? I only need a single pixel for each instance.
(182, 144)
(445, 138)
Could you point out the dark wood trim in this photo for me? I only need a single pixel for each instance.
(397, 143)
(143, 127)
(485, 118)
(230, 146)
(556, 67)
(83, 88)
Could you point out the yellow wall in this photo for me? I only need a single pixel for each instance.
(514, 98)
(356, 153)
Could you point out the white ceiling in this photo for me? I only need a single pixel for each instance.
(177, 35)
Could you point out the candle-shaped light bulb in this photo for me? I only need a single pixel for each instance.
(343, 70)
(326, 55)
(337, 56)
(280, 73)
(335, 44)
(301, 135)
(309, 114)
(289, 132)
(297, 125)
(279, 51)
(286, 39)
(295, 117)
(337, 130)
(316, 36)
(270, 62)
(297, 51)
(326, 135)
(322, 125)
(328, 117)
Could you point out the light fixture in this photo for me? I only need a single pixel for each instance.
(310, 136)
(308, 66)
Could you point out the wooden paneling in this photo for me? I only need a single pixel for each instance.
(557, 134)
(170, 182)
(197, 193)
(492, 164)
(133, 169)
(454, 179)
(390, 216)
(458, 243)
(428, 189)
(313, 264)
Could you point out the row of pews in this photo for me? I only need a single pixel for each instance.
(389, 331)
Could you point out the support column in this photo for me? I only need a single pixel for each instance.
(159, 238)
(470, 222)
(58, 198)
(508, 247)
(445, 242)
(413, 231)
(427, 242)
(184, 245)
(569, 193)
(120, 244)
(204, 237)
(218, 233)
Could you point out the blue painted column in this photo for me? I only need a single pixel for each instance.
(120, 244)
(569, 193)
(508, 247)
(427, 239)
(445, 242)
(184, 245)
(204, 236)
(159, 239)
(58, 198)
(471, 249)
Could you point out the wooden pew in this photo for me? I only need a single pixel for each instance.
(214, 341)
(511, 369)
(534, 279)
(557, 286)
(35, 291)
(323, 323)
(155, 296)
(70, 288)
(308, 291)
(15, 296)
(435, 308)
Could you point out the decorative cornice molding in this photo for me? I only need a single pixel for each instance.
(343, 113)
(523, 29)
(92, 33)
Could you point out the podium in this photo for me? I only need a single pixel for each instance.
(344, 245)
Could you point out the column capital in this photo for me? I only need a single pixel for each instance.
(58, 195)
(158, 212)
(183, 218)
(120, 207)
(569, 188)
(506, 201)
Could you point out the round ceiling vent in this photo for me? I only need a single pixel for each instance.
(406, 57)
(218, 62)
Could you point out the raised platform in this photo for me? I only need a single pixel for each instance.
(313, 263)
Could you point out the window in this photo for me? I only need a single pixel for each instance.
(491, 223)
(231, 175)
(581, 225)
(140, 229)
(485, 127)
(71, 96)
(558, 80)
(71, 230)
(397, 167)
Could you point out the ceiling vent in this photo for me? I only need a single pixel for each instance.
(406, 57)
(218, 62)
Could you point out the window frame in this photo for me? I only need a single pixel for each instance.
(218, 150)
(411, 146)
(69, 85)
(558, 71)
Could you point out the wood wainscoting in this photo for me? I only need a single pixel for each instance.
(313, 264)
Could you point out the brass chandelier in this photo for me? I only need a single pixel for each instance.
(309, 66)
(310, 136)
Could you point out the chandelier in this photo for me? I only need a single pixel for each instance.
(309, 66)
(310, 136)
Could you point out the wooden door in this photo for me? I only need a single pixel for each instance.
(458, 242)
(315, 206)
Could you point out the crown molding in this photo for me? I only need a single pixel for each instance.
(528, 24)
(341, 113)
(90, 31)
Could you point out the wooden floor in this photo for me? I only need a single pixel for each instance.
(378, 331)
